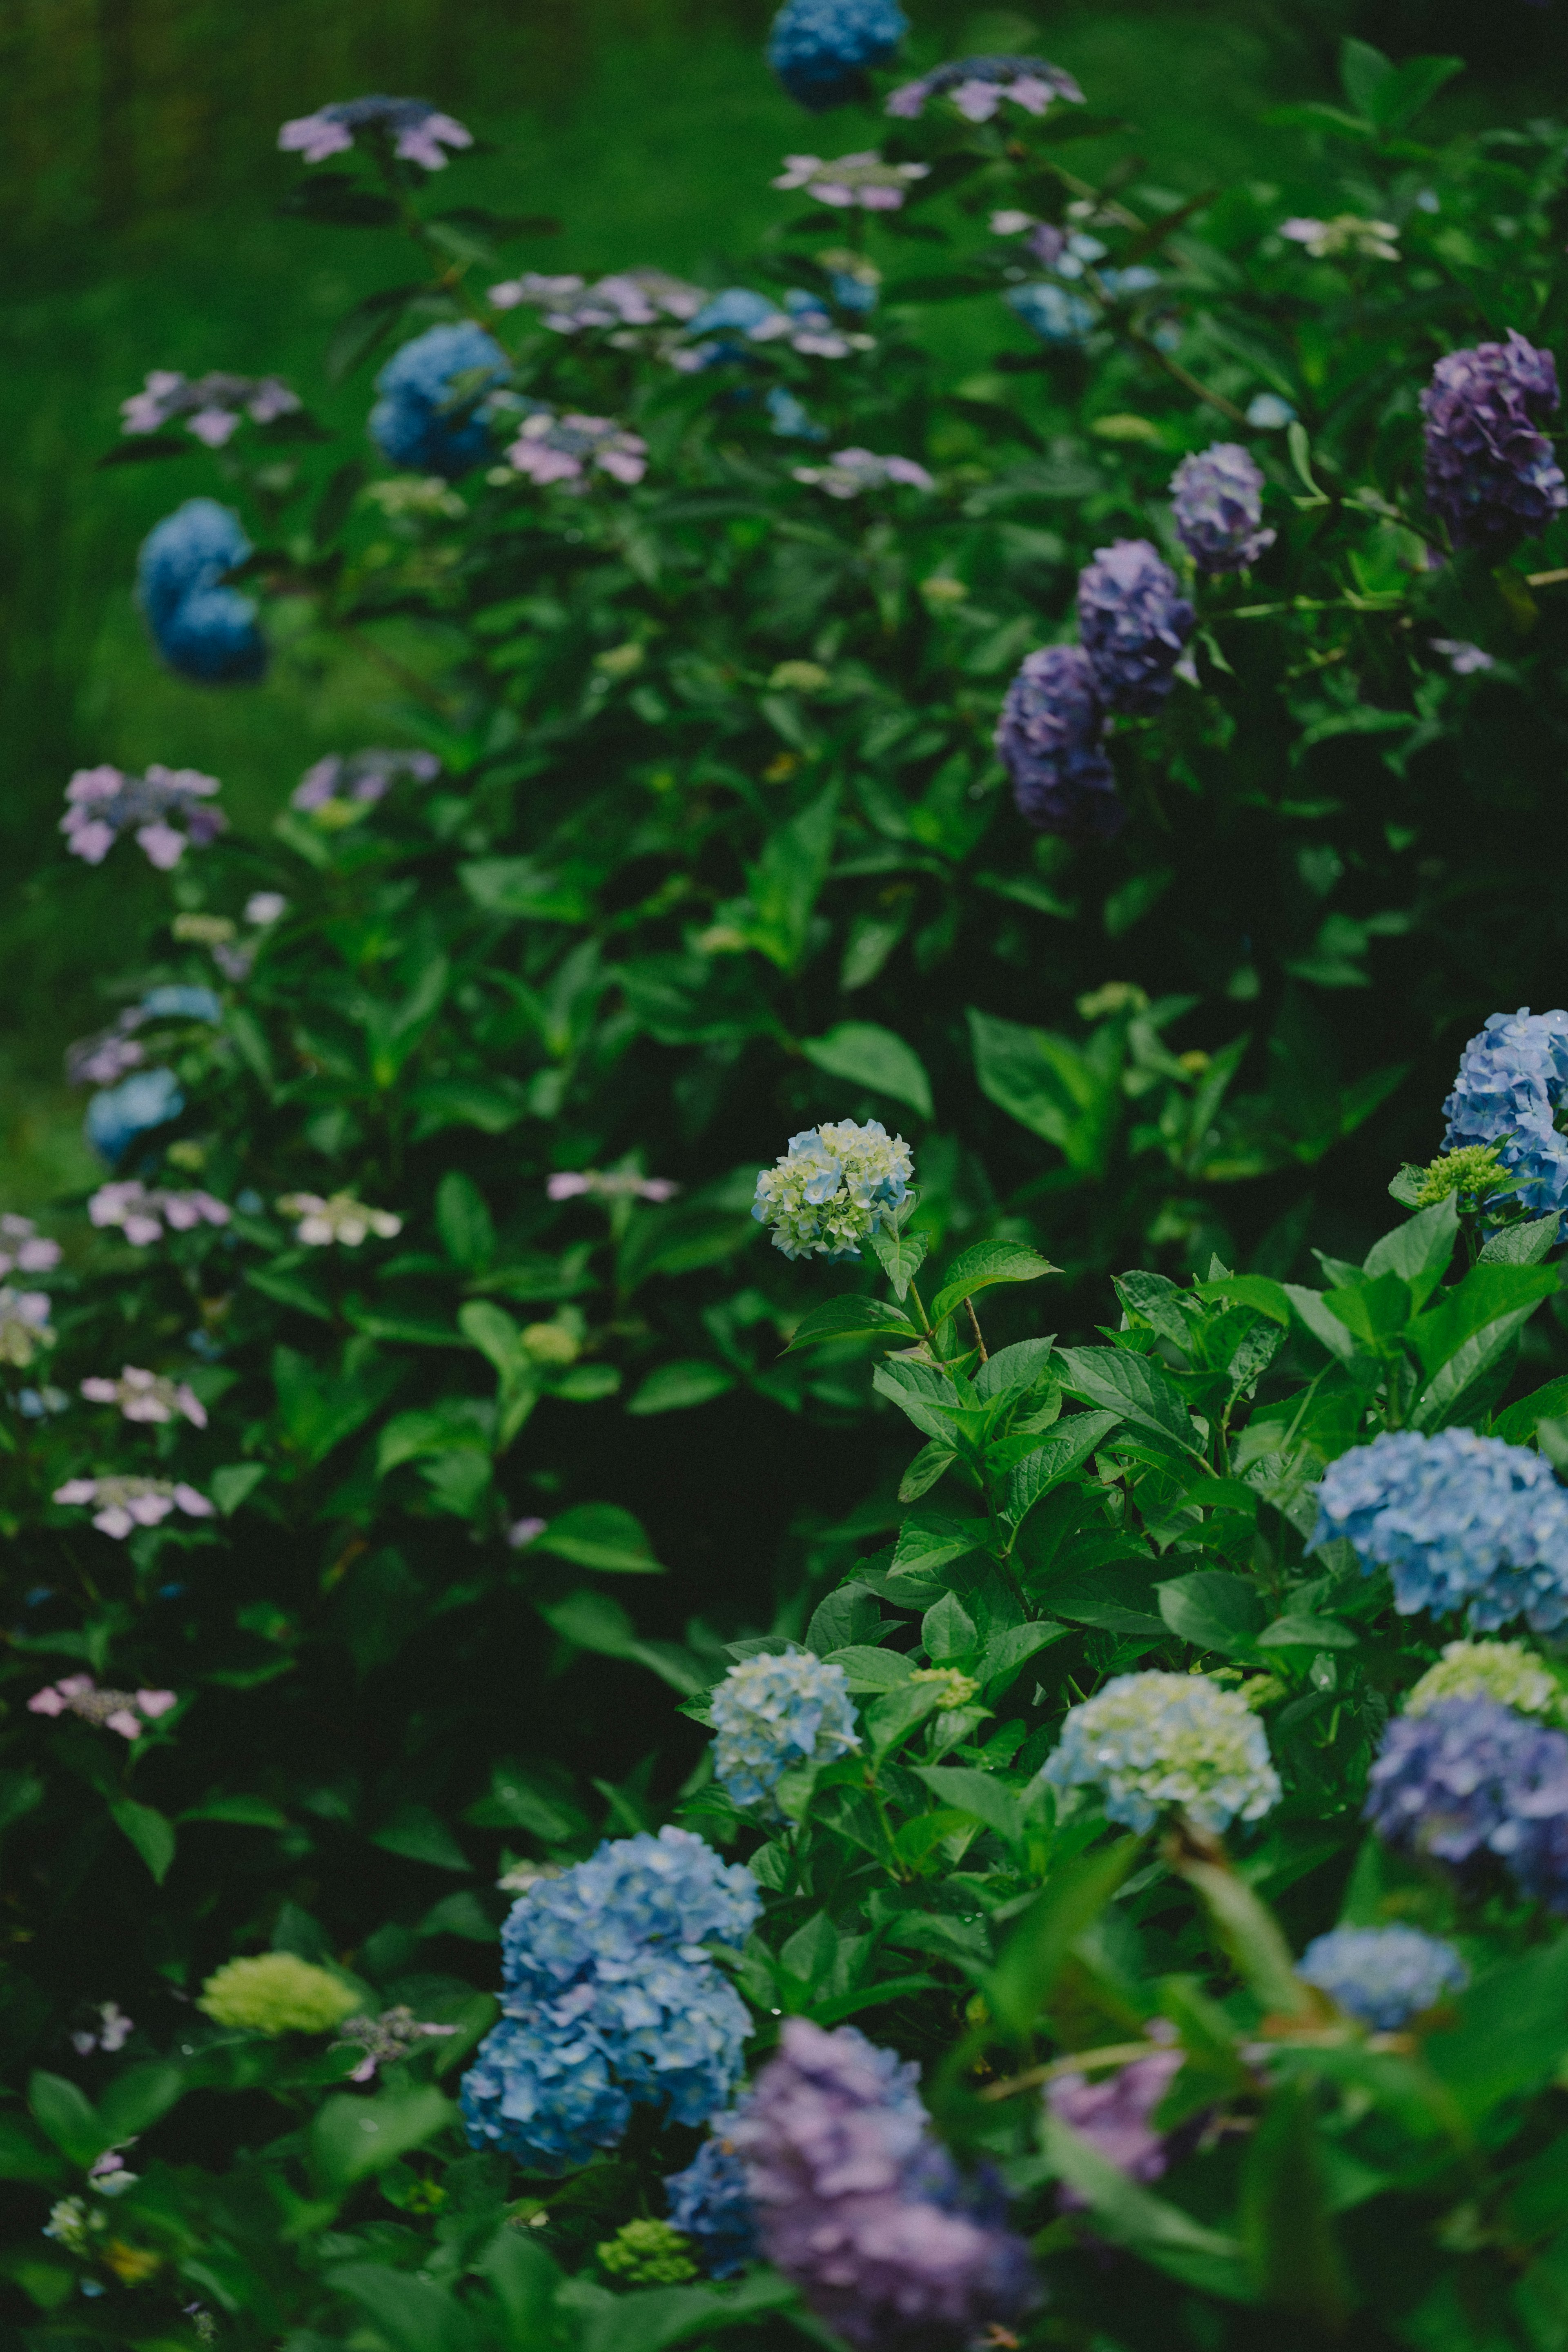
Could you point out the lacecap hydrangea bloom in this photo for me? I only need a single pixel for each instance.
(24, 1249)
(24, 1324)
(551, 448)
(1471, 1777)
(127, 1712)
(710, 2200)
(1051, 741)
(1512, 1080)
(837, 1185)
(977, 86)
(357, 780)
(141, 1215)
(417, 132)
(1492, 472)
(1134, 622)
(337, 1218)
(610, 2000)
(276, 1992)
(1218, 503)
(1459, 1521)
(862, 2208)
(144, 1396)
(820, 49)
(862, 181)
(1383, 1976)
(168, 808)
(850, 471)
(1051, 311)
(211, 405)
(205, 630)
(120, 1505)
(1149, 1741)
(774, 1713)
(1505, 1671)
(431, 416)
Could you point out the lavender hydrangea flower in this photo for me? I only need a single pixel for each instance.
(211, 405)
(431, 416)
(118, 1504)
(1152, 1740)
(625, 301)
(1463, 659)
(977, 86)
(143, 1215)
(357, 781)
(848, 472)
(565, 448)
(820, 49)
(862, 2209)
(802, 322)
(772, 1715)
(1385, 1976)
(418, 132)
(203, 630)
(1461, 1521)
(168, 808)
(1134, 622)
(146, 1100)
(1491, 474)
(1471, 1778)
(1217, 499)
(711, 2201)
(1114, 2113)
(1051, 741)
(861, 180)
(144, 1396)
(832, 1188)
(127, 1712)
(24, 1249)
(1512, 1080)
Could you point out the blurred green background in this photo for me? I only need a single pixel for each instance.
(141, 180)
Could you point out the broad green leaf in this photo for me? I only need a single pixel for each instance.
(680, 1387)
(458, 1424)
(1285, 2222)
(892, 1718)
(1008, 1653)
(929, 1539)
(1461, 1340)
(464, 1222)
(853, 1317)
(1119, 1596)
(1068, 1094)
(1513, 2030)
(787, 879)
(1519, 1423)
(410, 2314)
(965, 1791)
(594, 1622)
(1026, 1360)
(600, 1536)
(419, 1834)
(135, 2100)
(1037, 1946)
(1419, 1251)
(518, 888)
(1067, 1447)
(947, 1630)
(1523, 1243)
(868, 1669)
(524, 2280)
(1363, 71)
(901, 1253)
(1250, 1934)
(352, 2137)
(657, 2317)
(928, 1465)
(921, 1392)
(848, 1614)
(986, 1263)
(231, 1483)
(1307, 1632)
(69, 2117)
(1259, 1290)
(1376, 1312)
(491, 1330)
(1405, 92)
(866, 1056)
(1126, 2214)
(1330, 1329)
(24, 2156)
(1215, 1611)
(151, 1832)
(1135, 1388)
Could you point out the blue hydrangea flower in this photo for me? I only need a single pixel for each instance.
(422, 420)
(1052, 313)
(1492, 472)
(832, 1188)
(735, 306)
(116, 1117)
(174, 1003)
(820, 49)
(1460, 1522)
(711, 2201)
(772, 1713)
(791, 418)
(1385, 1976)
(203, 630)
(1149, 1741)
(1051, 741)
(1512, 1079)
(1471, 1777)
(1217, 502)
(1134, 622)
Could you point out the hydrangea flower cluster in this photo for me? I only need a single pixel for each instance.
(1505, 1671)
(168, 808)
(432, 417)
(418, 132)
(612, 1184)
(1051, 739)
(1149, 1741)
(113, 2029)
(712, 2202)
(1464, 659)
(802, 322)
(276, 1992)
(647, 2254)
(774, 1713)
(626, 301)
(339, 1218)
(1491, 473)
(24, 1325)
(820, 49)
(127, 1712)
(1383, 1976)
(1460, 1522)
(861, 2207)
(143, 1215)
(102, 1059)
(1134, 622)
(114, 1120)
(1052, 313)
(1469, 1778)
(862, 181)
(24, 1249)
(835, 1187)
(211, 405)
(848, 472)
(1512, 1079)
(340, 788)
(1114, 2115)
(610, 2000)
(205, 630)
(385, 2039)
(565, 448)
(1347, 238)
(147, 1397)
(122, 1504)
(977, 86)
(1217, 502)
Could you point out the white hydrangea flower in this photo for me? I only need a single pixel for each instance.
(1505, 1671)
(341, 1218)
(1148, 1741)
(837, 1185)
(772, 1713)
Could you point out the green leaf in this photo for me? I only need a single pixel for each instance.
(1249, 1934)
(594, 1622)
(68, 2117)
(1419, 1251)
(933, 1460)
(1519, 1423)
(986, 1263)
(947, 1630)
(1513, 2030)
(410, 2314)
(1135, 1388)
(787, 879)
(1008, 1653)
(1067, 1447)
(1035, 1953)
(1258, 1290)
(681, 1386)
(353, 2136)
(601, 1536)
(1462, 1337)
(1214, 1610)
(1285, 2224)
(929, 1539)
(230, 1484)
(518, 888)
(1126, 2214)
(981, 1794)
(890, 1719)
(866, 1056)
(135, 2100)
(419, 1834)
(846, 1615)
(1070, 1094)
(464, 1222)
(524, 2281)
(867, 1669)
(1523, 1243)
(901, 1255)
(151, 1833)
(659, 2316)
(852, 1318)
(1307, 1632)
(1405, 92)
(24, 2156)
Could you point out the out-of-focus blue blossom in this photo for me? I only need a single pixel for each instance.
(1052, 313)
(116, 1118)
(1470, 1776)
(1385, 1976)
(1512, 1079)
(181, 1003)
(772, 1714)
(791, 418)
(836, 1186)
(855, 284)
(205, 631)
(1149, 1741)
(1460, 1522)
(1051, 740)
(733, 306)
(1267, 413)
(1217, 502)
(1492, 472)
(1122, 285)
(711, 2201)
(423, 420)
(1134, 622)
(820, 49)
(862, 2207)
(977, 86)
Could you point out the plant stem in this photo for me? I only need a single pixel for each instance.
(974, 1327)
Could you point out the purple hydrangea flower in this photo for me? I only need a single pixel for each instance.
(1512, 1080)
(1471, 1777)
(1114, 2113)
(711, 2201)
(359, 777)
(203, 630)
(1050, 737)
(1219, 505)
(1385, 1976)
(211, 405)
(820, 49)
(862, 2207)
(1134, 622)
(417, 130)
(103, 803)
(1491, 474)
(428, 418)
(978, 85)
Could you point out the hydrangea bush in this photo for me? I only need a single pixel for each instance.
(1041, 1818)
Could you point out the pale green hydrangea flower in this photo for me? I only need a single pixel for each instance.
(1149, 1741)
(1504, 1671)
(276, 1992)
(837, 1184)
(648, 2253)
(772, 1714)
